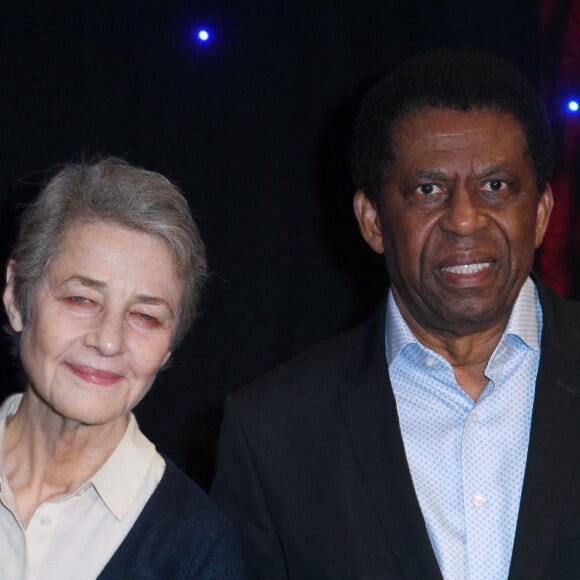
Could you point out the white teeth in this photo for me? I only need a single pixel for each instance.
(467, 268)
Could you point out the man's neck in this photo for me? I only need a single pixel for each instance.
(467, 353)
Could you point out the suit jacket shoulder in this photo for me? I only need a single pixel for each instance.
(561, 322)
(547, 542)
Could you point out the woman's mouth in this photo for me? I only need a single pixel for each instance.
(94, 375)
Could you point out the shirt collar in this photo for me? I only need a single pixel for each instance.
(119, 479)
(397, 331)
(9, 407)
(524, 322)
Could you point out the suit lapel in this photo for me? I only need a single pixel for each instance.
(372, 421)
(554, 442)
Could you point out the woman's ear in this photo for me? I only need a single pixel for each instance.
(10, 304)
(166, 359)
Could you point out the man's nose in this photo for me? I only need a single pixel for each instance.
(464, 214)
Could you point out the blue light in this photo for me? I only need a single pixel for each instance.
(203, 35)
(573, 105)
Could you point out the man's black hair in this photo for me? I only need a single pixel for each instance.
(445, 79)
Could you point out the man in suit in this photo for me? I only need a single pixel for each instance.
(441, 438)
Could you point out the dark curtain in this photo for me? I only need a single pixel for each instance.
(559, 75)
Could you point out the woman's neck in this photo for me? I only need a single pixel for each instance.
(48, 456)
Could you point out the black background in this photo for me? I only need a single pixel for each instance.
(254, 126)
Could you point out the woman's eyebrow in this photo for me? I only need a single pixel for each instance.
(86, 281)
(99, 285)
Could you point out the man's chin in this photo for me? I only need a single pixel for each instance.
(472, 319)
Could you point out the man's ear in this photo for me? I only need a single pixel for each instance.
(368, 220)
(12, 309)
(543, 212)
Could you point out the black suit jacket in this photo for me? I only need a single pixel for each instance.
(312, 470)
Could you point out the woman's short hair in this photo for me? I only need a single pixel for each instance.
(109, 190)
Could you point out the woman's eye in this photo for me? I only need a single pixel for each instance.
(79, 300)
(81, 303)
(146, 318)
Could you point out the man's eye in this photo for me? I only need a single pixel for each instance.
(494, 185)
(428, 189)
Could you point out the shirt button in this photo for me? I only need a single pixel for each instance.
(478, 501)
(429, 362)
(45, 521)
(474, 418)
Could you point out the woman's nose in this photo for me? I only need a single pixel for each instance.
(108, 334)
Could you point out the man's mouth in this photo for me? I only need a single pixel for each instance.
(467, 268)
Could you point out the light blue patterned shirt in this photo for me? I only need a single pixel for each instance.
(467, 459)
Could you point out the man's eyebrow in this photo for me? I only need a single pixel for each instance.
(429, 173)
(438, 173)
(495, 169)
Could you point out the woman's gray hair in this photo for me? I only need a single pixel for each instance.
(112, 191)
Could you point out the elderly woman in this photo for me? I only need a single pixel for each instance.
(101, 287)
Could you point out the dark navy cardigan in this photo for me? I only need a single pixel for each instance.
(179, 534)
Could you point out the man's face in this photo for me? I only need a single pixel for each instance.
(459, 218)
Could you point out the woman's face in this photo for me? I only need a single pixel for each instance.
(102, 322)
